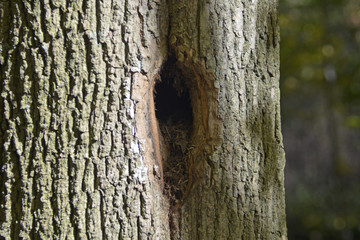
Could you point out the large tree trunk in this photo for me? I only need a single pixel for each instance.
(140, 120)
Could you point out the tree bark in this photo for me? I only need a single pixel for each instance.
(94, 146)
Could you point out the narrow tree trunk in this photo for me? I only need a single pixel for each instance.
(140, 120)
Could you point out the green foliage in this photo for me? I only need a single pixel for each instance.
(352, 121)
(320, 46)
(324, 213)
(320, 65)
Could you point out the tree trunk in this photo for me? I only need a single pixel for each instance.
(140, 120)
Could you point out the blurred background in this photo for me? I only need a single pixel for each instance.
(320, 84)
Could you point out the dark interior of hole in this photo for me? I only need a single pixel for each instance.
(172, 100)
(175, 117)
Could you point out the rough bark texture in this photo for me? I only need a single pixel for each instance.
(84, 153)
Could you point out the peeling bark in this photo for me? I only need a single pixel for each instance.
(83, 149)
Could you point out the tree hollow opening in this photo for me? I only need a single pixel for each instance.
(175, 117)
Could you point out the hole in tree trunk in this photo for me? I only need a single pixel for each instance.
(175, 117)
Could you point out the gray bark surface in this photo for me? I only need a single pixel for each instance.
(82, 153)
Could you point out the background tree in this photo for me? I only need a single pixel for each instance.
(140, 120)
